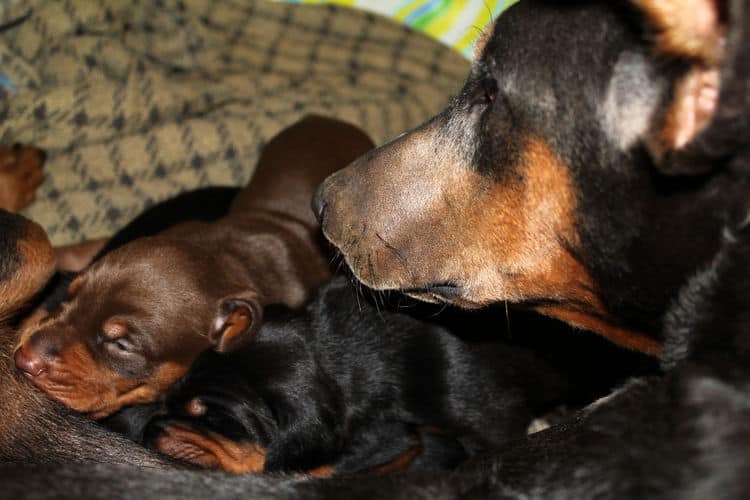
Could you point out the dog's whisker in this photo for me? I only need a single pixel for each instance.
(507, 320)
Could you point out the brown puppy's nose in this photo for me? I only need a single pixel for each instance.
(29, 362)
(319, 204)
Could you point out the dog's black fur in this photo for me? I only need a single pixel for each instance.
(346, 385)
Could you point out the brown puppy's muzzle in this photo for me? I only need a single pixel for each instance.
(67, 372)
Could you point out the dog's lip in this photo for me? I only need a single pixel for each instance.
(446, 291)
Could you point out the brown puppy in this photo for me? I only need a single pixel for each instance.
(138, 317)
(34, 429)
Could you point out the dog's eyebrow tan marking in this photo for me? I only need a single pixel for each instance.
(82, 384)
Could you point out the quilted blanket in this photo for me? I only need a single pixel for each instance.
(136, 101)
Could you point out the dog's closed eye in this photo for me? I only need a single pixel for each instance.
(114, 336)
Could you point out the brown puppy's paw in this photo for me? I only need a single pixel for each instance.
(20, 176)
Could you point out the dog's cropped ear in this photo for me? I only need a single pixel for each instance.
(693, 32)
(235, 324)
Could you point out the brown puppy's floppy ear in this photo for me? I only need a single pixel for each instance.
(692, 31)
(235, 324)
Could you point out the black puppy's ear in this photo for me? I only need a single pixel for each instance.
(236, 323)
(693, 32)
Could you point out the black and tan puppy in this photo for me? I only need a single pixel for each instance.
(140, 315)
(343, 388)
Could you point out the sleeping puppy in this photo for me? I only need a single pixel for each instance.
(140, 315)
(342, 387)
(34, 429)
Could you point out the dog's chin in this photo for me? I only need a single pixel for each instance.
(438, 292)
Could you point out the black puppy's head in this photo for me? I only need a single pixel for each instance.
(544, 181)
(211, 418)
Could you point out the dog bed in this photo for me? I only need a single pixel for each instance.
(135, 101)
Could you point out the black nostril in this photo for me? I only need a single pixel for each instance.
(319, 205)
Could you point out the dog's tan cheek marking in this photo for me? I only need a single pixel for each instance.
(78, 382)
(208, 449)
(520, 224)
(100, 391)
(537, 217)
(130, 392)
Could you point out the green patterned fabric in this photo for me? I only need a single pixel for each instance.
(137, 101)
(457, 23)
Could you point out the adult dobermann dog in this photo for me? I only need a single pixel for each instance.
(546, 181)
(594, 167)
(141, 314)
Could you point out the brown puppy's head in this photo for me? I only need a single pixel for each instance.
(541, 183)
(134, 323)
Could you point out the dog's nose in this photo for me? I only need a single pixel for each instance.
(319, 205)
(29, 362)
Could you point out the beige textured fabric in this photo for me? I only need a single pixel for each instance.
(135, 101)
